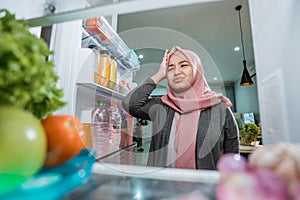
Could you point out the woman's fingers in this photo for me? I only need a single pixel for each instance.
(166, 55)
(165, 58)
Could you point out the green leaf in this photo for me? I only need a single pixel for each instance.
(27, 79)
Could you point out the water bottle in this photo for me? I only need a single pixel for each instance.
(101, 128)
(116, 120)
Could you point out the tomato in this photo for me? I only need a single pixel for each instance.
(22, 146)
(64, 137)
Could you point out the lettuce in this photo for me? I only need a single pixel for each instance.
(27, 78)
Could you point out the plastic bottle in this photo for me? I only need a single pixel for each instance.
(116, 120)
(113, 72)
(103, 71)
(101, 128)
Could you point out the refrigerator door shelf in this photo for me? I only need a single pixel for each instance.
(87, 62)
(99, 33)
(126, 61)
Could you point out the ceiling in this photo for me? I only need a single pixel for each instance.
(210, 29)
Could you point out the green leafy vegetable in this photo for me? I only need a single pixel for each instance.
(27, 78)
(249, 134)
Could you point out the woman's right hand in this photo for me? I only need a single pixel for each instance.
(162, 71)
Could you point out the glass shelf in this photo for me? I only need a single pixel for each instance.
(156, 184)
(125, 156)
(102, 89)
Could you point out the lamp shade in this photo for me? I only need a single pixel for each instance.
(246, 78)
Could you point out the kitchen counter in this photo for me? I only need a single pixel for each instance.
(249, 149)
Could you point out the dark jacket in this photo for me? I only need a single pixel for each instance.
(217, 130)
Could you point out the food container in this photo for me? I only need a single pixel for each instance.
(85, 118)
(113, 73)
(102, 74)
(100, 29)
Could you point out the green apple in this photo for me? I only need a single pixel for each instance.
(23, 147)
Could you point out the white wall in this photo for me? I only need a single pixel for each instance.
(276, 30)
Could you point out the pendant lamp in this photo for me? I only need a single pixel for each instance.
(246, 79)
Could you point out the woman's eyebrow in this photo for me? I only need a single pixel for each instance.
(183, 61)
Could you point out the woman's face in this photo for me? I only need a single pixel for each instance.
(179, 73)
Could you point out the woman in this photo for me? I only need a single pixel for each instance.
(192, 125)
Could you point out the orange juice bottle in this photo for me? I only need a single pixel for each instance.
(103, 71)
(113, 72)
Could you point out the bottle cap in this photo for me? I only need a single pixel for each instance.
(92, 46)
(113, 105)
(104, 52)
(101, 102)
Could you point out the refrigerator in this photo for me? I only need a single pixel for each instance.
(276, 48)
(74, 64)
(63, 26)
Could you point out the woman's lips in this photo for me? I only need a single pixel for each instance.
(178, 79)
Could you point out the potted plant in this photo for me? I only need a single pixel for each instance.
(249, 134)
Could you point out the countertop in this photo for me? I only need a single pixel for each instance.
(249, 149)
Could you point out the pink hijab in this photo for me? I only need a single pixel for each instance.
(189, 104)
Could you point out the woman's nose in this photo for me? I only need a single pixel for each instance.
(177, 70)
